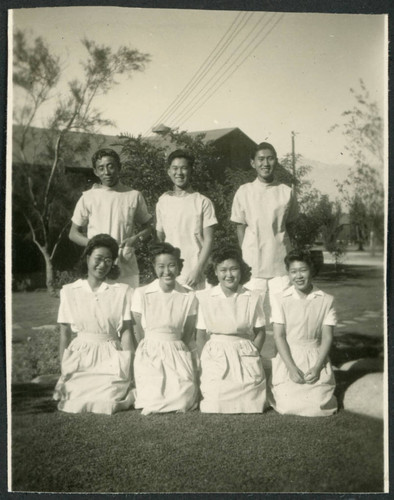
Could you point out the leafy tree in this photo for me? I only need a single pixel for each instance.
(363, 191)
(41, 190)
(306, 228)
(330, 215)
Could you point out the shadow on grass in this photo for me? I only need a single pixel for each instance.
(352, 345)
(347, 272)
(32, 398)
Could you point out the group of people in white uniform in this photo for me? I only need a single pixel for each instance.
(193, 337)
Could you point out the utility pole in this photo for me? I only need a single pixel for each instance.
(293, 159)
(293, 153)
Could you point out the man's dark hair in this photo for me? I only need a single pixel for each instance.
(261, 146)
(105, 152)
(181, 153)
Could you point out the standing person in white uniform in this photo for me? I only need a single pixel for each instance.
(186, 219)
(263, 210)
(112, 208)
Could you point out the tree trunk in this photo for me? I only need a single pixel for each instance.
(359, 239)
(50, 274)
(372, 243)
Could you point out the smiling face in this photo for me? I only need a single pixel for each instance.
(180, 173)
(228, 273)
(166, 269)
(300, 276)
(99, 263)
(264, 163)
(107, 170)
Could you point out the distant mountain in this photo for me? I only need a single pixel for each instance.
(324, 175)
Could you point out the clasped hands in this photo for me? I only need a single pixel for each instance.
(309, 377)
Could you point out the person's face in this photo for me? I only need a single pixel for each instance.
(99, 263)
(228, 273)
(180, 172)
(300, 276)
(264, 163)
(107, 170)
(166, 269)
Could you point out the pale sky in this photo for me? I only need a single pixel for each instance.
(298, 78)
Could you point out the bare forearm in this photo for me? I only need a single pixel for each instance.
(146, 231)
(206, 248)
(189, 329)
(77, 237)
(160, 236)
(241, 228)
(325, 346)
(127, 340)
(284, 350)
(201, 340)
(259, 338)
(64, 341)
(138, 330)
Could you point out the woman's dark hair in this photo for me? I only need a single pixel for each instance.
(101, 153)
(181, 153)
(165, 248)
(100, 241)
(220, 255)
(300, 256)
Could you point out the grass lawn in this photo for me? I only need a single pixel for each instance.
(128, 452)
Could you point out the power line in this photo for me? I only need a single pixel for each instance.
(192, 110)
(189, 84)
(239, 28)
(229, 65)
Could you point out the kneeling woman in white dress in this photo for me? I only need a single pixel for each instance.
(165, 317)
(232, 374)
(303, 381)
(96, 366)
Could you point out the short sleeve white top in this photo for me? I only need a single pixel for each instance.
(163, 312)
(237, 314)
(182, 220)
(304, 318)
(101, 312)
(265, 209)
(111, 211)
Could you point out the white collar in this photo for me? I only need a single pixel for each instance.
(291, 292)
(217, 291)
(265, 185)
(155, 287)
(83, 283)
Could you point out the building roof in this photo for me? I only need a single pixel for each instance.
(38, 138)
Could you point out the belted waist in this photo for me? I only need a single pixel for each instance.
(97, 337)
(162, 336)
(226, 337)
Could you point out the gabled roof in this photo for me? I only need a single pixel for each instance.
(162, 140)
